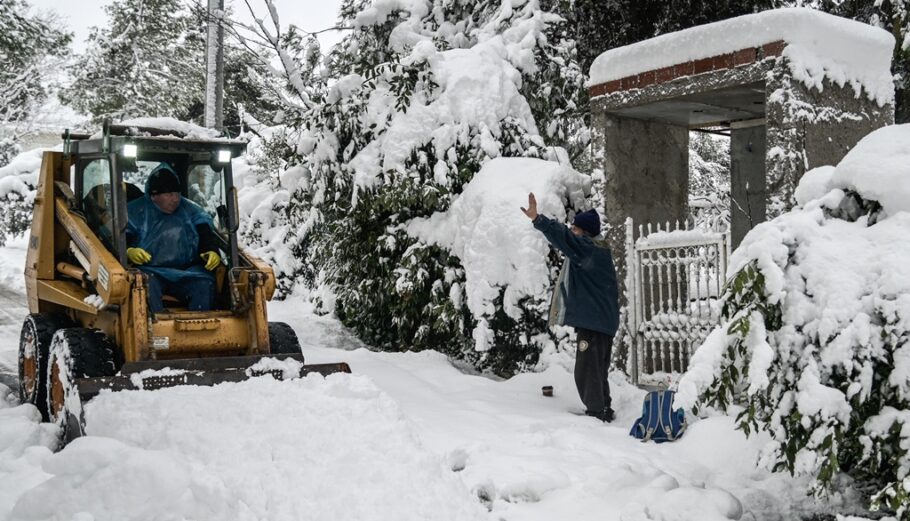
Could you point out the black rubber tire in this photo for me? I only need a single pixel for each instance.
(75, 353)
(283, 340)
(37, 331)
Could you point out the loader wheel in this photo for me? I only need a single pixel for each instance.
(282, 339)
(75, 353)
(34, 347)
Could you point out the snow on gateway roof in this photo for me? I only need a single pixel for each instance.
(818, 45)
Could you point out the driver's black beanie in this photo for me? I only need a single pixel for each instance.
(163, 180)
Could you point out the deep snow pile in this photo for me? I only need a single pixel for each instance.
(314, 448)
(816, 339)
(409, 437)
(495, 241)
(819, 46)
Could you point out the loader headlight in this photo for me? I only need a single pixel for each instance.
(224, 156)
(130, 150)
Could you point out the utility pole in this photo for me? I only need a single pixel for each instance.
(214, 66)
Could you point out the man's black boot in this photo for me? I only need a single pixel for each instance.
(605, 416)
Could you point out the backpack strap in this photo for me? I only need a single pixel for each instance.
(653, 422)
(666, 413)
(638, 428)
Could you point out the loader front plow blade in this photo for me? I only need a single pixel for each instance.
(158, 374)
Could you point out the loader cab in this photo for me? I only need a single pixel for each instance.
(111, 171)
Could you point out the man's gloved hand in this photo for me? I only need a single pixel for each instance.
(212, 260)
(138, 256)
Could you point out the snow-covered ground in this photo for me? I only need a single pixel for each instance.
(407, 436)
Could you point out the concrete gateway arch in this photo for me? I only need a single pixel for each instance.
(796, 88)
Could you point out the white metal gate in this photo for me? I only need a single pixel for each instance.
(673, 280)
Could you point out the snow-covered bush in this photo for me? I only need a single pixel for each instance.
(507, 276)
(406, 111)
(815, 343)
(18, 180)
(9, 149)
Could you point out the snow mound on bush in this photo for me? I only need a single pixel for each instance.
(814, 184)
(496, 243)
(839, 270)
(21, 174)
(236, 451)
(477, 87)
(878, 168)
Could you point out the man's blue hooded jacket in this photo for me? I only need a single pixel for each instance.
(589, 291)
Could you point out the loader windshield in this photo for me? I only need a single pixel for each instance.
(199, 183)
(96, 198)
(205, 187)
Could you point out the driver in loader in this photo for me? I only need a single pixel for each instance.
(167, 236)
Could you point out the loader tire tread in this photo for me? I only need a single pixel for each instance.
(85, 353)
(92, 352)
(42, 327)
(282, 339)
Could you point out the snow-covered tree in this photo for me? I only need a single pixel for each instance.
(709, 179)
(31, 46)
(149, 61)
(408, 108)
(145, 62)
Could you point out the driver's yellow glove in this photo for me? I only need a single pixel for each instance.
(212, 260)
(138, 256)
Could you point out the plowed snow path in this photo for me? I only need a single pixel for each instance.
(407, 436)
(317, 448)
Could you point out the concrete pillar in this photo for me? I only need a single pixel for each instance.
(646, 166)
(748, 192)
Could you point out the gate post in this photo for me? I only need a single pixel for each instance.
(632, 300)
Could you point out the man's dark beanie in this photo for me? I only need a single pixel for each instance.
(163, 180)
(589, 222)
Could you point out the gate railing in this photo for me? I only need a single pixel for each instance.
(674, 277)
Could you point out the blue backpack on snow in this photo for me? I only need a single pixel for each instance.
(659, 422)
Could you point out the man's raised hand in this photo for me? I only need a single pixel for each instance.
(531, 210)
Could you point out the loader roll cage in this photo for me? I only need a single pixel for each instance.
(125, 154)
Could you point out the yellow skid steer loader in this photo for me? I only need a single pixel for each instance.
(90, 326)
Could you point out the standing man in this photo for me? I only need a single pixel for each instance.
(171, 239)
(586, 298)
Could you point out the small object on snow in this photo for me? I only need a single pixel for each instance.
(547, 390)
(659, 422)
